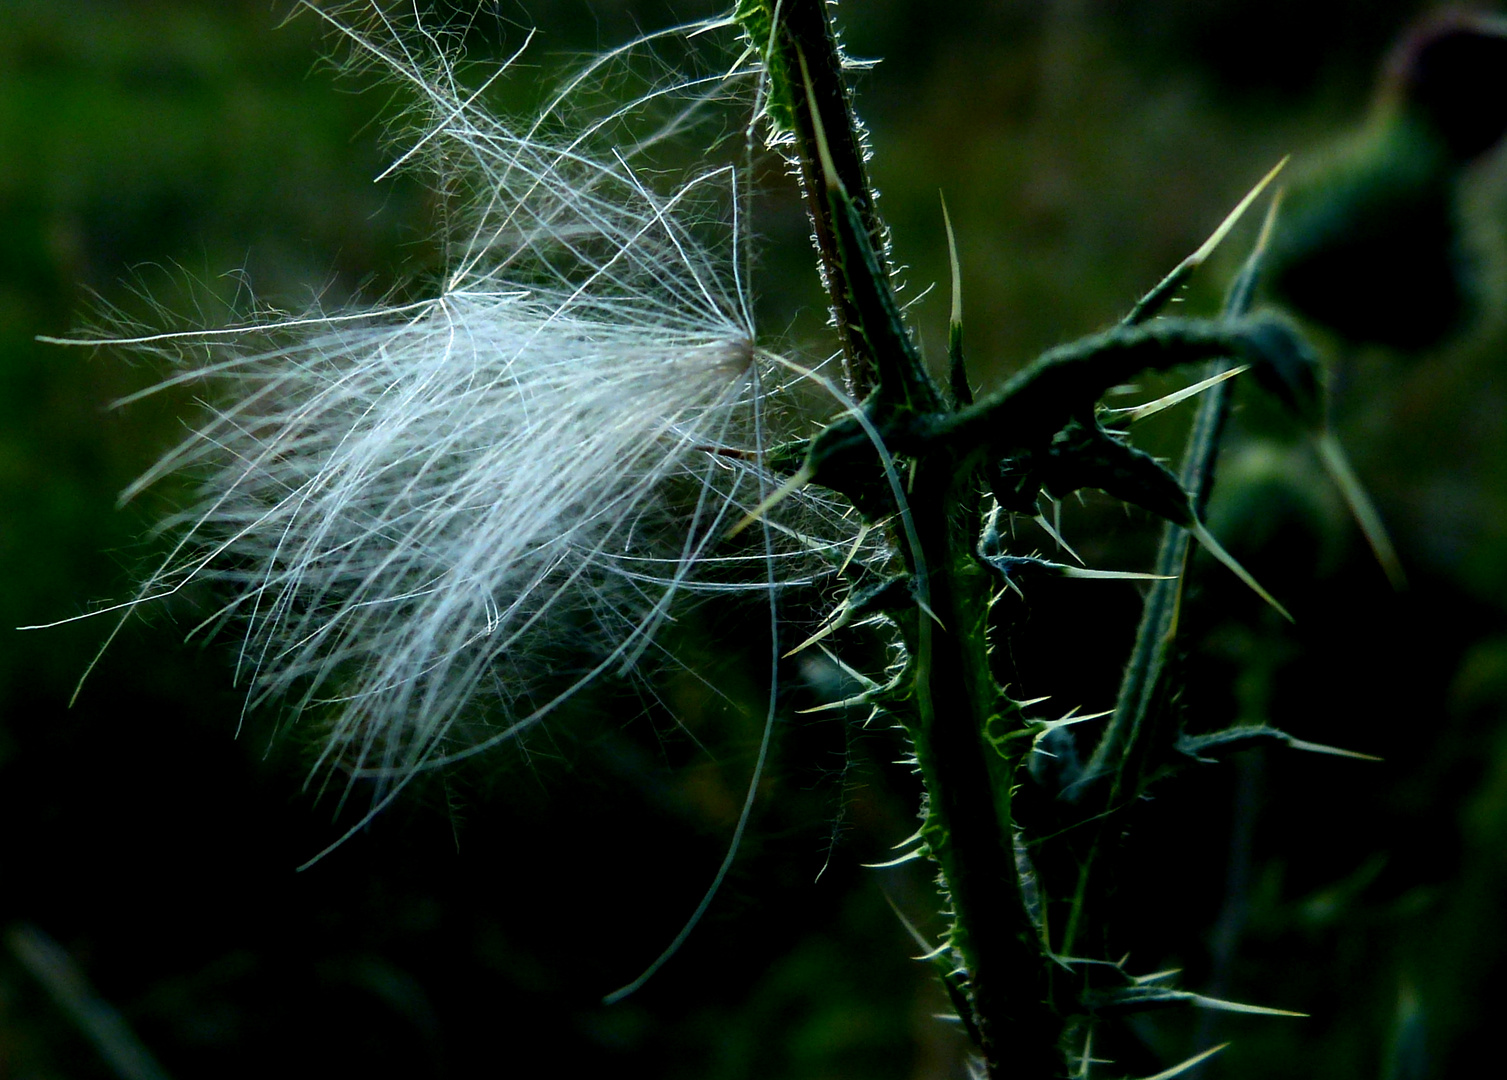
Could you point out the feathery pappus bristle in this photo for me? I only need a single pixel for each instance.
(416, 510)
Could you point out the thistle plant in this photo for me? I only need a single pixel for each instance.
(434, 522)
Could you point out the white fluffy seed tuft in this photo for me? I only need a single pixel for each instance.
(417, 511)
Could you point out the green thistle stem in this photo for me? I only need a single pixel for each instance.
(808, 94)
(1021, 1000)
(1137, 735)
(969, 742)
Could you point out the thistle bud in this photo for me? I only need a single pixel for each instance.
(1372, 243)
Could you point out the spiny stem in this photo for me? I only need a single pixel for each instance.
(802, 54)
(956, 714)
(969, 753)
(1127, 744)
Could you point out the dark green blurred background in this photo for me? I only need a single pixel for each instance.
(157, 158)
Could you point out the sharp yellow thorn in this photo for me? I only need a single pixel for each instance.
(1233, 217)
(911, 839)
(1320, 748)
(1158, 297)
(848, 670)
(863, 533)
(1239, 1006)
(1114, 575)
(1361, 507)
(1214, 548)
(932, 955)
(1041, 519)
(1069, 720)
(1087, 1058)
(909, 856)
(1138, 413)
(1183, 1066)
(956, 317)
(836, 622)
(832, 706)
(1269, 223)
(1156, 976)
(796, 482)
(910, 928)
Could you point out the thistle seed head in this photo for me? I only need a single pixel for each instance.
(468, 507)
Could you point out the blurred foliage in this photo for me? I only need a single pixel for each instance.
(162, 160)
